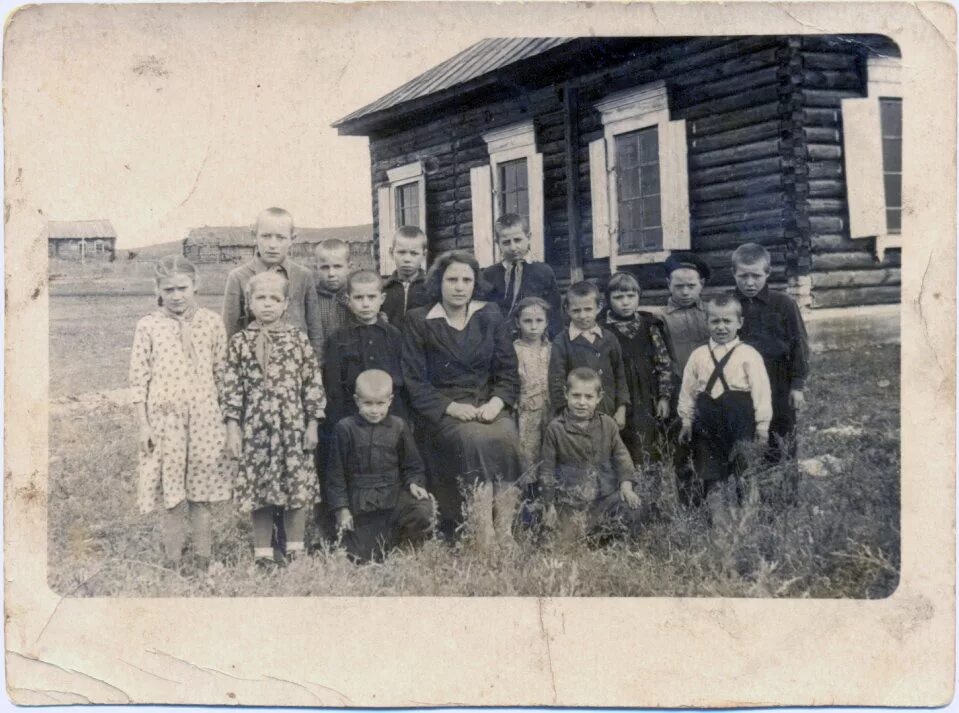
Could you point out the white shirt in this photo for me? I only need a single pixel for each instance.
(745, 371)
(591, 334)
(438, 312)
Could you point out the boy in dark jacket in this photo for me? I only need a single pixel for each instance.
(517, 276)
(403, 289)
(376, 481)
(585, 466)
(366, 341)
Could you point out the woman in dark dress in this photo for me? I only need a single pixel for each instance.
(461, 376)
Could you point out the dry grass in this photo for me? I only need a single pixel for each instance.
(842, 540)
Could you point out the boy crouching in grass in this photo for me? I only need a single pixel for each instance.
(586, 468)
(376, 478)
(724, 402)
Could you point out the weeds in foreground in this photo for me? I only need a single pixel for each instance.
(841, 539)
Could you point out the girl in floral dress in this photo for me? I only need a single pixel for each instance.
(273, 402)
(532, 353)
(176, 362)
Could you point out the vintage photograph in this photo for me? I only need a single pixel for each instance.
(597, 354)
(625, 322)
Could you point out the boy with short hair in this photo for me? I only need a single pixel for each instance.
(403, 289)
(378, 493)
(685, 315)
(724, 401)
(586, 467)
(366, 341)
(585, 343)
(773, 325)
(274, 234)
(332, 269)
(516, 276)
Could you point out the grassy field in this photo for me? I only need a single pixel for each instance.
(842, 540)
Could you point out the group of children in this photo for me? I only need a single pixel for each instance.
(294, 400)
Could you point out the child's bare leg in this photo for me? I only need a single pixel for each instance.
(201, 522)
(294, 521)
(174, 531)
(263, 532)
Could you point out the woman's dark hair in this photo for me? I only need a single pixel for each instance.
(433, 284)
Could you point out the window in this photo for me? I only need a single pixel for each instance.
(407, 205)
(638, 179)
(514, 188)
(890, 124)
(872, 142)
(400, 201)
(512, 182)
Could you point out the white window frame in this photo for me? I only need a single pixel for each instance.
(862, 144)
(504, 144)
(386, 202)
(622, 113)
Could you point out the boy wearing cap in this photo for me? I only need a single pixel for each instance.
(684, 319)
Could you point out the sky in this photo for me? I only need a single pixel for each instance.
(165, 118)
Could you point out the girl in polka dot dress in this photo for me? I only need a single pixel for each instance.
(176, 365)
(273, 401)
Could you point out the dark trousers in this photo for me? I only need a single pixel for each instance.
(720, 427)
(375, 533)
(606, 519)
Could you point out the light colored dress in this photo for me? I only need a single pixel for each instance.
(188, 461)
(272, 387)
(533, 405)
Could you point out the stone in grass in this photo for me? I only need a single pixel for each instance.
(852, 431)
(821, 466)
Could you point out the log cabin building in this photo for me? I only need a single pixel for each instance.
(81, 240)
(619, 150)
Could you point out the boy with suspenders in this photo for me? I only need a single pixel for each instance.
(725, 400)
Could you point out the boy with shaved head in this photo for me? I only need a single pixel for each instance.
(377, 491)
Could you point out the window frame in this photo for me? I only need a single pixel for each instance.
(508, 143)
(397, 177)
(622, 113)
(865, 187)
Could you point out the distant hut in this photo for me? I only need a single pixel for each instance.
(235, 243)
(81, 240)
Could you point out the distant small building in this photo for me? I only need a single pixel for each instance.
(235, 243)
(81, 240)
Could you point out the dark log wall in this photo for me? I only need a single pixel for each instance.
(764, 135)
(843, 271)
(733, 94)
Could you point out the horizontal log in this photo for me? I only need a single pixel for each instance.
(734, 102)
(825, 188)
(742, 187)
(732, 239)
(856, 278)
(827, 262)
(856, 296)
(733, 120)
(745, 221)
(829, 60)
(725, 87)
(737, 66)
(736, 137)
(736, 206)
(821, 224)
(736, 154)
(823, 152)
(826, 97)
(824, 169)
(690, 55)
(837, 243)
(820, 117)
(832, 79)
(746, 169)
(825, 206)
(821, 134)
